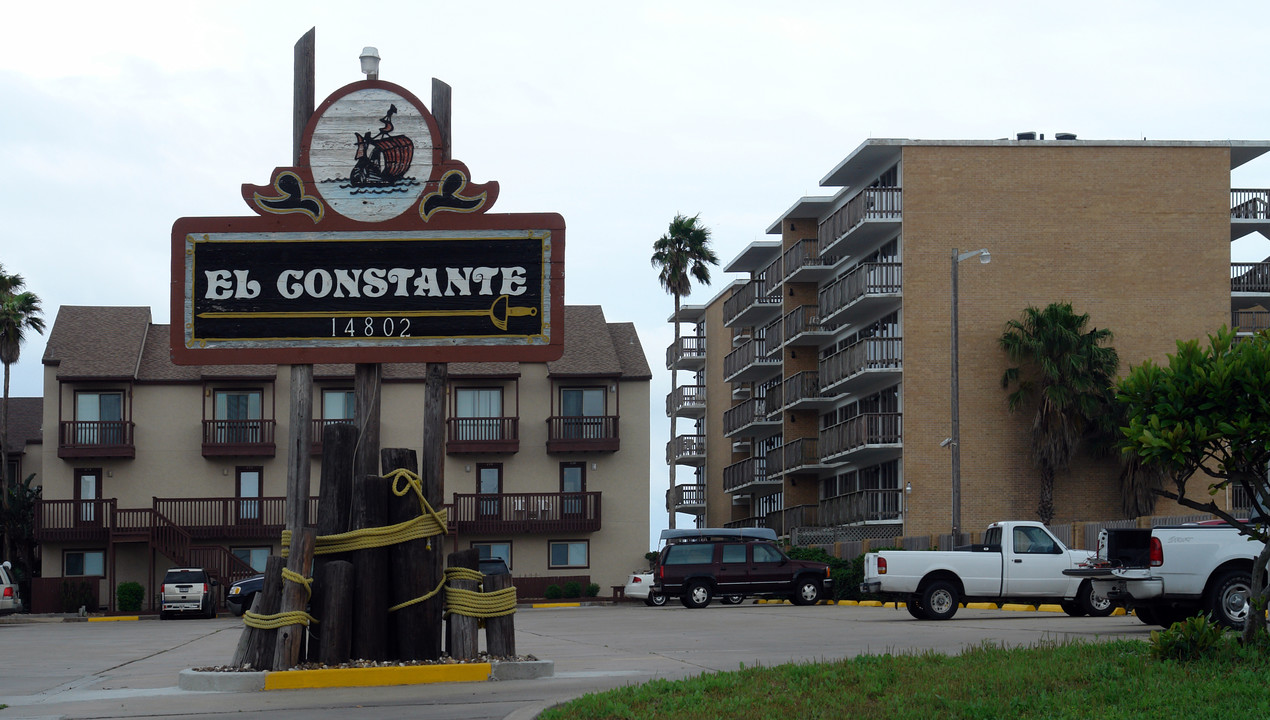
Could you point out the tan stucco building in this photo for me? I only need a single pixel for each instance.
(822, 389)
(148, 465)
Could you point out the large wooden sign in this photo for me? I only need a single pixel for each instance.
(375, 249)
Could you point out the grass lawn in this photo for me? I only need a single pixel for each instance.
(1104, 680)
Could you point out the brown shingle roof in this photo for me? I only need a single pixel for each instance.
(588, 347)
(97, 342)
(630, 353)
(25, 419)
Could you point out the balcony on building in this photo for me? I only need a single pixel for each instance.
(170, 523)
(239, 438)
(687, 401)
(870, 217)
(803, 263)
(862, 368)
(688, 354)
(749, 522)
(800, 391)
(866, 439)
(869, 290)
(525, 513)
(798, 455)
(582, 433)
(749, 476)
(1248, 321)
(687, 450)
(750, 419)
(96, 439)
(862, 508)
(785, 520)
(689, 499)
(756, 302)
(1249, 212)
(803, 326)
(750, 362)
(494, 435)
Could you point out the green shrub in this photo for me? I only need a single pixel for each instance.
(553, 592)
(1194, 638)
(77, 594)
(128, 596)
(846, 574)
(573, 589)
(592, 590)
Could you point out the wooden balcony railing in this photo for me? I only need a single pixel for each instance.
(525, 513)
(773, 339)
(690, 348)
(802, 320)
(482, 435)
(238, 438)
(744, 415)
(875, 353)
(690, 449)
(763, 290)
(749, 354)
(871, 204)
(1250, 204)
(801, 386)
(793, 456)
(865, 279)
(95, 439)
(1250, 277)
(219, 519)
(688, 496)
(582, 433)
(1250, 321)
(749, 522)
(744, 475)
(687, 400)
(861, 507)
(861, 431)
(804, 254)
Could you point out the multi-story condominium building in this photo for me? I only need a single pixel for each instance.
(823, 391)
(147, 464)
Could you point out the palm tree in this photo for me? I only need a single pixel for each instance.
(19, 311)
(1067, 373)
(682, 255)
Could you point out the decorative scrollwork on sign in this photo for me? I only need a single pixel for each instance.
(447, 198)
(291, 198)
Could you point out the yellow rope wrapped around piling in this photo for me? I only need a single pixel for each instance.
(480, 604)
(277, 620)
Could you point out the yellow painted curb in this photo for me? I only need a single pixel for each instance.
(1016, 607)
(115, 619)
(555, 605)
(1119, 611)
(981, 606)
(1051, 608)
(851, 603)
(375, 677)
(870, 603)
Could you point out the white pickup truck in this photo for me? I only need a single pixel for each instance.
(1172, 572)
(1017, 561)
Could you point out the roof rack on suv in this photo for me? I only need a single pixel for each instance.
(719, 534)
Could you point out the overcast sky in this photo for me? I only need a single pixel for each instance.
(118, 118)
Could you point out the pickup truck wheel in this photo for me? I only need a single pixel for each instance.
(1071, 607)
(940, 600)
(914, 607)
(806, 592)
(1091, 604)
(696, 595)
(655, 599)
(1227, 603)
(732, 599)
(1146, 614)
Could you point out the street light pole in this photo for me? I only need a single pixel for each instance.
(955, 440)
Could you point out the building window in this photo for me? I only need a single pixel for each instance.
(253, 556)
(478, 411)
(501, 550)
(83, 562)
(338, 405)
(87, 491)
(568, 554)
(237, 414)
(99, 418)
(489, 485)
(572, 485)
(583, 411)
(249, 482)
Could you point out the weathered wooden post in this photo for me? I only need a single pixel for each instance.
(411, 563)
(335, 504)
(464, 640)
(370, 608)
(254, 642)
(500, 632)
(295, 598)
(337, 612)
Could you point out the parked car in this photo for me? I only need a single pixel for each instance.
(10, 600)
(493, 566)
(243, 593)
(1018, 561)
(1172, 572)
(639, 585)
(188, 590)
(699, 565)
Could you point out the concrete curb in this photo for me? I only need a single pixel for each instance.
(202, 681)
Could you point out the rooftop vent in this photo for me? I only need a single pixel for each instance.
(1027, 136)
(1064, 136)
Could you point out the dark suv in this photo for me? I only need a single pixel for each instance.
(698, 569)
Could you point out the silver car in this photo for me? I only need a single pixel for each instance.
(10, 600)
(188, 590)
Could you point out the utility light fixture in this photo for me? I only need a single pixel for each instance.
(370, 63)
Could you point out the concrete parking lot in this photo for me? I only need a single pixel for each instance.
(128, 669)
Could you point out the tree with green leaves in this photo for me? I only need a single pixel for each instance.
(1065, 373)
(682, 255)
(18, 519)
(1207, 415)
(19, 311)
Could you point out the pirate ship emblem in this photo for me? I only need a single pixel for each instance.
(384, 159)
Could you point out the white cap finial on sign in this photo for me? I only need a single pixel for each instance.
(370, 63)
